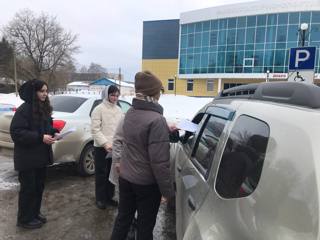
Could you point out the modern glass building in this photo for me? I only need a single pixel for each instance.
(224, 46)
(246, 44)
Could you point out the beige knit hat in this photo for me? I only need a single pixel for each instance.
(147, 83)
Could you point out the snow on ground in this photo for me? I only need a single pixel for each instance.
(8, 177)
(5, 185)
(175, 107)
(181, 107)
(178, 107)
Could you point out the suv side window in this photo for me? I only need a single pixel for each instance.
(242, 160)
(189, 138)
(205, 147)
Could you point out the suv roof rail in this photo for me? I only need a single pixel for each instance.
(294, 93)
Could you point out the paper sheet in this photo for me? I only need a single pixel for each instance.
(64, 134)
(187, 125)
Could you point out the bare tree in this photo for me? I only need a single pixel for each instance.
(62, 75)
(6, 63)
(96, 68)
(42, 40)
(83, 69)
(6, 58)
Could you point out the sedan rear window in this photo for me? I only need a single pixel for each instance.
(67, 104)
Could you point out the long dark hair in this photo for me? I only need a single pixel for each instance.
(41, 111)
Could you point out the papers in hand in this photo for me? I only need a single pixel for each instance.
(187, 125)
(64, 134)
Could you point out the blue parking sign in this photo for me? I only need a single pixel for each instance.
(302, 58)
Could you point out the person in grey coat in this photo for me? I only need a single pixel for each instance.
(145, 160)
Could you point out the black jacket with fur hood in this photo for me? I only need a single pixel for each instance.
(30, 151)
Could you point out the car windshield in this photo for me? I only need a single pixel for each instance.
(67, 104)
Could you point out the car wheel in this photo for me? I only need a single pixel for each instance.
(86, 161)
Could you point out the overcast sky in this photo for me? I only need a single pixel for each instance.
(109, 32)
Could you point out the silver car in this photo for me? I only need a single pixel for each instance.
(251, 170)
(69, 111)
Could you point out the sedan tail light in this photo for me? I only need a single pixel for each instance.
(59, 124)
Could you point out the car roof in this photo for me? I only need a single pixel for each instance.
(291, 93)
(125, 98)
(93, 96)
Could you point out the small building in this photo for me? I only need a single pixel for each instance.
(77, 86)
(99, 84)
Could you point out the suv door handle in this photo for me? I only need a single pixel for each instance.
(191, 203)
(179, 168)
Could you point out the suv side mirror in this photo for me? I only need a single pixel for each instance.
(186, 136)
(174, 136)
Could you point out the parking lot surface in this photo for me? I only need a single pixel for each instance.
(68, 203)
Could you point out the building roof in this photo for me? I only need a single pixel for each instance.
(109, 81)
(104, 82)
(248, 9)
(78, 84)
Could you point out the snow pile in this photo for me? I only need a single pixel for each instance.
(181, 107)
(178, 107)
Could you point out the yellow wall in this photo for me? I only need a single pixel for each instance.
(167, 68)
(164, 69)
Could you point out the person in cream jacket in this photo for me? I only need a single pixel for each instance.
(104, 120)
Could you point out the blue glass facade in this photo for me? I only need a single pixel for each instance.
(250, 44)
(160, 39)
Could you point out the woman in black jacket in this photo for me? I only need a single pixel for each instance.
(32, 133)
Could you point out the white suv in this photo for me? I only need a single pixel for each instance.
(252, 170)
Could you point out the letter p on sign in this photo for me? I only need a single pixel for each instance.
(301, 56)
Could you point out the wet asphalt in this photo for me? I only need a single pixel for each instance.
(68, 203)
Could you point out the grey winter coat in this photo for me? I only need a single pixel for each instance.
(145, 158)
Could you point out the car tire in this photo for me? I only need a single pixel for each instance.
(86, 162)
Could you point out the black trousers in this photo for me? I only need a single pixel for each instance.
(104, 188)
(30, 194)
(145, 199)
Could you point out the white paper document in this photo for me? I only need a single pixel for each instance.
(187, 125)
(60, 136)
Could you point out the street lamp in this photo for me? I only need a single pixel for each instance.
(268, 72)
(303, 29)
(15, 68)
(175, 86)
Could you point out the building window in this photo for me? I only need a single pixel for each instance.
(209, 85)
(243, 157)
(248, 62)
(170, 84)
(190, 85)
